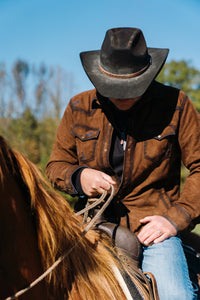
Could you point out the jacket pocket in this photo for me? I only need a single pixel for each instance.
(86, 139)
(160, 147)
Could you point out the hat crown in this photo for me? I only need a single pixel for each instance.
(124, 51)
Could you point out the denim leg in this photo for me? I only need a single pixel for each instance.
(167, 262)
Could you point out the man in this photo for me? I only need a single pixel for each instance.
(132, 132)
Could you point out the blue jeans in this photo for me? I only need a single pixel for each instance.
(167, 262)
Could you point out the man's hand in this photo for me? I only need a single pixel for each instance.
(156, 230)
(94, 182)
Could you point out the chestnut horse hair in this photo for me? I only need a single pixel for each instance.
(86, 273)
(53, 229)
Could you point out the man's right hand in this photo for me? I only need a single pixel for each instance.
(94, 182)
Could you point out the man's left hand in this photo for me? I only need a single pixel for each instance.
(155, 230)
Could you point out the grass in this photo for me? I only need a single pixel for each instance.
(197, 229)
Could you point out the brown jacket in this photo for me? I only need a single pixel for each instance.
(164, 128)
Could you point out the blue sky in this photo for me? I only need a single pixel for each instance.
(56, 31)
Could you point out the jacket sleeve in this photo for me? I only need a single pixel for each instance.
(187, 208)
(63, 161)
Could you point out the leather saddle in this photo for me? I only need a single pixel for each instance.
(141, 285)
(123, 238)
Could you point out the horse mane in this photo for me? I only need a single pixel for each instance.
(86, 272)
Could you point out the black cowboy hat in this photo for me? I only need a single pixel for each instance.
(124, 67)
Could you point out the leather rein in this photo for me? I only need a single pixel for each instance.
(84, 211)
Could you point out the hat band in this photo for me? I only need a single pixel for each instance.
(125, 76)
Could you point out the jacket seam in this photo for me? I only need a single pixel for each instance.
(87, 112)
(163, 199)
(103, 145)
(131, 158)
(183, 106)
(186, 214)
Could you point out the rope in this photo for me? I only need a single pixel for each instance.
(62, 257)
(94, 204)
(99, 213)
(48, 271)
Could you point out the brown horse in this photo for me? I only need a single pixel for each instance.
(37, 226)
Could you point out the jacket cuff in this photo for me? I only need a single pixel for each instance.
(75, 180)
(70, 188)
(178, 216)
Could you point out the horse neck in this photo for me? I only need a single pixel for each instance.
(19, 256)
(85, 273)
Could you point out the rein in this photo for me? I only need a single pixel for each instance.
(62, 257)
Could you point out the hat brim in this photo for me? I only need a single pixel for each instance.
(119, 88)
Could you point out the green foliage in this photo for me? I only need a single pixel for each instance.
(197, 229)
(31, 102)
(183, 76)
(46, 133)
(24, 136)
(34, 138)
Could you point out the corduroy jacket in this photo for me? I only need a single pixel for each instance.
(163, 130)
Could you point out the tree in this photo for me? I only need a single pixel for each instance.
(20, 72)
(183, 76)
(22, 134)
(3, 86)
(31, 102)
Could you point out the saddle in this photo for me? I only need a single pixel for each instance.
(123, 239)
(141, 286)
(129, 251)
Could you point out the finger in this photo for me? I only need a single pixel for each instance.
(144, 234)
(155, 236)
(93, 193)
(149, 230)
(146, 239)
(108, 179)
(105, 185)
(100, 190)
(161, 238)
(142, 239)
(149, 226)
(146, 219)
